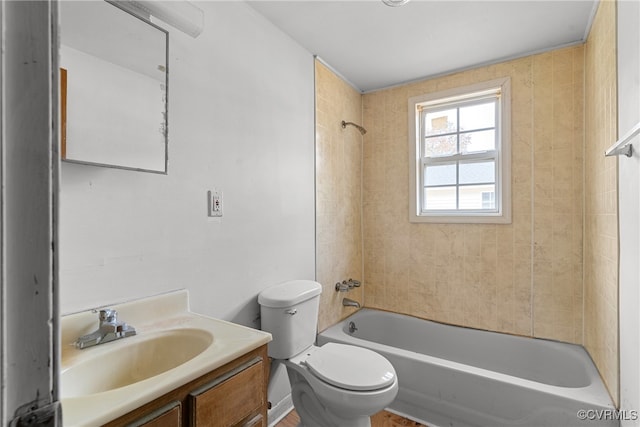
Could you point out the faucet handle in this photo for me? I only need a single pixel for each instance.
(108, 315)
(354, 283)
(342, 287)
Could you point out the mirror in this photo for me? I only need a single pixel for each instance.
(113, 87)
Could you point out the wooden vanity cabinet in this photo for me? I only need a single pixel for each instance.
(234, 395)
(167, 416)
(226, 400)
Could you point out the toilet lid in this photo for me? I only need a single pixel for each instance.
(351, 367)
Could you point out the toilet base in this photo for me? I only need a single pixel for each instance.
(312, 413)
(321, 404)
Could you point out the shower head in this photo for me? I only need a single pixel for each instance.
(360, 128)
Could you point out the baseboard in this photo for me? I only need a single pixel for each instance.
(279, 410)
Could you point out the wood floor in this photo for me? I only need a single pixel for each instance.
(381, 419)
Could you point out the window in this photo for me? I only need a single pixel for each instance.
(460, 157)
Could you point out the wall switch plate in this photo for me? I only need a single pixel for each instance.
(214, 203)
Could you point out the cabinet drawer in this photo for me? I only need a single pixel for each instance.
(168, 416)
(256, 421)
(229, 399)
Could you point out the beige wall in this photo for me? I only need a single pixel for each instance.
(338, 193)
(601, 220)
(523, 278)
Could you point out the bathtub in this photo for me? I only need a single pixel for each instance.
(458, 377)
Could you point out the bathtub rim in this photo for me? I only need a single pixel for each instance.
(594, 393)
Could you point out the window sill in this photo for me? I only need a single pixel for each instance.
(461, 219)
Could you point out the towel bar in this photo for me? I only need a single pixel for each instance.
(623, 145)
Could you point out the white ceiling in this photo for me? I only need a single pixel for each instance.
(375, 46)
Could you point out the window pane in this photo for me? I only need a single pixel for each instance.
(440, 122)
(479, 116)
(440, 175)
(477, 172)
(477, 197)
(489, 200)
(438, 146)
(474, 142)
(440, 198)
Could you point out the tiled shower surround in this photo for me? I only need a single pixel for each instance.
(523, 278)
(338, 193)
(601, 200)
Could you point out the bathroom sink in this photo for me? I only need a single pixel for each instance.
(131, 360)
(173, 347)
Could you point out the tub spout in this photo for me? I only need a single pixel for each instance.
(350, 303)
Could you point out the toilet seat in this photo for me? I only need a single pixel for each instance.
(350, 367)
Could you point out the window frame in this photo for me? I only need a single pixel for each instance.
(501, 154)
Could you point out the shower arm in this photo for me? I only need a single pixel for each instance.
(360, 128)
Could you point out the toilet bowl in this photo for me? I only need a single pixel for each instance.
(349, 383)
(335, 385)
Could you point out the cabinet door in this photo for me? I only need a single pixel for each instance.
(230, 399)
(167, 416)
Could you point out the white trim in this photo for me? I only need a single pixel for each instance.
(279, 411)
(337, 73)
(503, 170)
(28, 184)
(453, 71)
(592, 17)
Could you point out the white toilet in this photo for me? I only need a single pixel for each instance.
(335, 385)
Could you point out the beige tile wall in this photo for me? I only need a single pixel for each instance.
(338, 193)
(601, 219)
(523, 278)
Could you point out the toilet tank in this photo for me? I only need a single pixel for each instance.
(289, 311)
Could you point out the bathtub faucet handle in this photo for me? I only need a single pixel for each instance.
(347, 285)
(342, 287)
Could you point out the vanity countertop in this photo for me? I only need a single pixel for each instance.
(168, 313)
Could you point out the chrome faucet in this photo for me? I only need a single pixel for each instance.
(109, 329)
(347, 285)
(350, 303)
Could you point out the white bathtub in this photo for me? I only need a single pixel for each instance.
(458, 377)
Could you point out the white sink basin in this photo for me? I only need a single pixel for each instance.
(131, 360)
